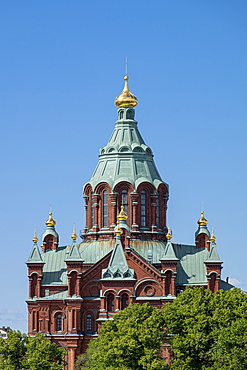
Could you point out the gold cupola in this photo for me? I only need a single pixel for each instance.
(74, 236)
(126, 98)
(202, 220)
(122, 216)
(169, 234)
(50, 221)
(213, 237)
(35, 238)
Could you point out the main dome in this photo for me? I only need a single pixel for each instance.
(126, 98)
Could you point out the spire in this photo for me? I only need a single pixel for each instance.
(118, 267)
(35, 256)
(126, 98)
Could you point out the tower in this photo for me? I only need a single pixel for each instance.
(126, 253)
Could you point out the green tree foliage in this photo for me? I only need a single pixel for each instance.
(133, 340)
(12, 351)
(31, 353)
(41, 353)
(208, 330)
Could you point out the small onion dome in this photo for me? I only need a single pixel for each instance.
(126, 98)
(118, 230)
(50, 221)
(74, 236)
(213, 237)
(35, 238)
(122, 216)
(169, 234)
(202, 220)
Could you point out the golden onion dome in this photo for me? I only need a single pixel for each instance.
(122, 216)
(213, 237)
(118, 230)
(202, 220)
(50, 221)
(74, 236)
(126, 98)
(35, 238)
(169, 234)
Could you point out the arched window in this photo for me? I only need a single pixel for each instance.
(124, 301)
(168, 282)
(110, 302)
(212, 282)
(143, 208)
(89, 322)
(158, 211)
(105, 208)
(125, 200)
(59, 322)
(34, 286)
(92, 211)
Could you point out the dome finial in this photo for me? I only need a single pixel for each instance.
(118, 231)
(122, 216)
(169, 233)
(74, 236)
(50, 221)
(126, 98)
(35, 238)
(202, 220)
(213, 238)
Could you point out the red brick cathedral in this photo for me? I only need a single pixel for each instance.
(126, 253)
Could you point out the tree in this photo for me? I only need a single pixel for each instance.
(41, 353)
(207, 330)
(133, 340)
(12, 351)
(32, 353)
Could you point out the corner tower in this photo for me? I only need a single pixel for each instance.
(126, 176)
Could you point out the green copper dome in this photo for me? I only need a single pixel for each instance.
(126, 157)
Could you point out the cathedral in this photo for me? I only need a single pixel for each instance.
(125, 254)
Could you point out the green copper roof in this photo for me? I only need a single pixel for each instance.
(35, 256)
(169, 254)
(118, 267)
(202, 229)
(213, 255)
(74, 255)
(126, 157)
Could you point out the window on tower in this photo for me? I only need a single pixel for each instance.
(124, 301)
(143, 208)
(110, 302)
(89, 323)
(105, 208)
(125, 200)
(92, 212)
(59, 322)
(158, 211)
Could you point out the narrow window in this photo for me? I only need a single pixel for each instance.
(105, 208)
(158, 211)
(110, 302)
(59, 322)
(125, 200)
(143, 208)
(92, 211)
(124, 301)
(89, 322)
(168, 282)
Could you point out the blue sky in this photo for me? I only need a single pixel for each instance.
(62, 64)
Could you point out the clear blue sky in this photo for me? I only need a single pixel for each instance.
(61, 66)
